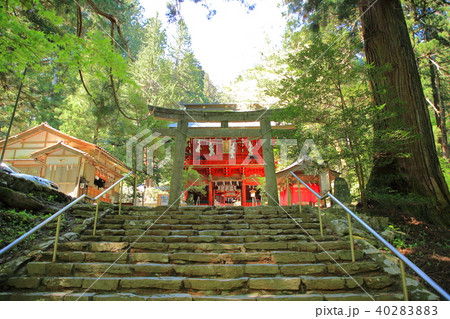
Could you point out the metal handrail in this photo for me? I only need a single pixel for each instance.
(58, 215)
(403, 259)
(45, 222)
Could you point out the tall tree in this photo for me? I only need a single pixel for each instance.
(152, 70)
(414, 168)
(386, 42)
(429, 26)
(188, 73)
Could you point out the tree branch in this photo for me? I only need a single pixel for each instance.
(79, 21)
(114, 22)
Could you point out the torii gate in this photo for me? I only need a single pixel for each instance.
(182, 132)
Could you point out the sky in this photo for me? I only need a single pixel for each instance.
(232, 41)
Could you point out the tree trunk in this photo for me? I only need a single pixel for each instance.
(386, 42)
(439, 104)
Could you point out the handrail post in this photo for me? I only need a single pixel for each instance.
(320, 216)
(135, 191)
(55, 246)
(96, 217)
(120, 197)
(405, 287)
(350, 234)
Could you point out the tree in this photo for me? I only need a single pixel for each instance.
(188, 75)
(429, 27)
(33, 37)
(386, 42)
(152, 70)
(414, 168)
(57, 41)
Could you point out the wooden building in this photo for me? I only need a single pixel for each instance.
(77, 166)
(318, 177)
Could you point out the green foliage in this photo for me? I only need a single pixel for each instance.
(19, 222)
(262, 190)
(329, 100)
(194, 181)
(88, 84)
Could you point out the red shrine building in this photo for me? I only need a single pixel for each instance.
(231, 167)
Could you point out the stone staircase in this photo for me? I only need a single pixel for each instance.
(194, 253)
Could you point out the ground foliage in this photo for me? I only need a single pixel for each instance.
(19, 222)
(425, 244)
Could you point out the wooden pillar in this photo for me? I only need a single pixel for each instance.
(80, 173)
(243, 193)
(288, 190)
(269, 163)
(211, 194)
(176, 181)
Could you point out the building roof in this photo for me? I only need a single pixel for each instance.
(254, 124)
(80, 143)
(58, 146)
(300, 165)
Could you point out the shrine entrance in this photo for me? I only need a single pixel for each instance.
(232, 150)
(227, 193)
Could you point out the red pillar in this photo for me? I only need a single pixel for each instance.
(210, 194)
(243, 194)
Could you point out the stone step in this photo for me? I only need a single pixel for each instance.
(300, 284)
(90, 296)
(291, 227)
(127, 224)
(70, 257)
(204, 244)
(142, 211)
(203, 238)
(192, 253)
(96, 284)
(191, 232)
(198, 219)
(92, 269)
(211, 218)
(233, 247)
(262, 256)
